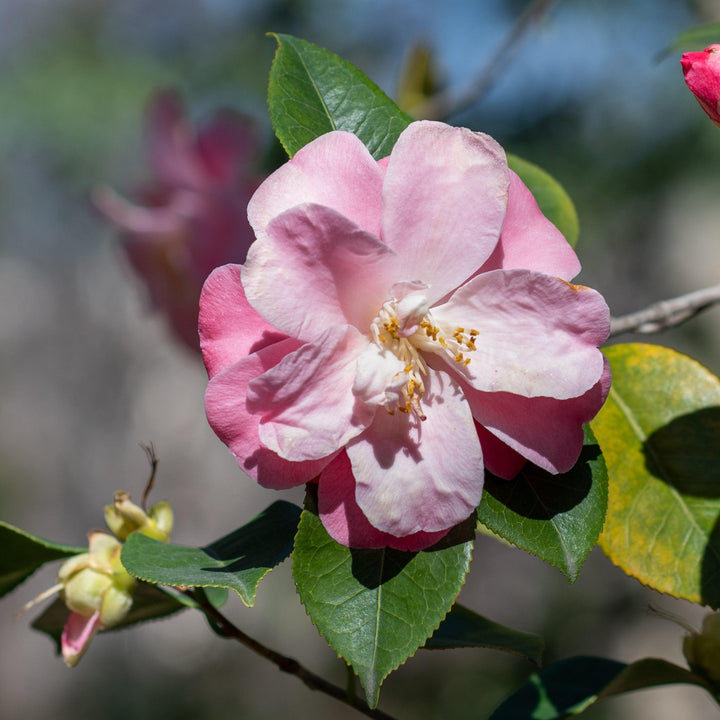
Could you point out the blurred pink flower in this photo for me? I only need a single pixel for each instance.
(193, 217)
(702, 75)
(399, 326)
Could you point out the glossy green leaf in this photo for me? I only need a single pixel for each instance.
(377, 607)
(22, 554)
(660, 435)
(237, 561)
(463, 628)
(556, 517)
(149, 603)
(568, 687)
(551, 197)
(697, 38)
(312, 91)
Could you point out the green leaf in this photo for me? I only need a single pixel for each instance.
(660, 435)
(651, 672)
(570, 686)
(149, 603)
(377, 607)
(556, 517)
(464, 628)
(312, 91)
(23, 553)
(697, 38)
(551, 197)
(237, 561)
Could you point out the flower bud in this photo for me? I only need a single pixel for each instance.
(162, 515)
(702, 650)
(98, 592)
(124, 517)
(702, 75)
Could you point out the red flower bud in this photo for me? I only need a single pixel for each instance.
(702, 75)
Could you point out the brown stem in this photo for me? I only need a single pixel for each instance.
(284, 663)
(667, 313)
(153, 461)
(448, 103)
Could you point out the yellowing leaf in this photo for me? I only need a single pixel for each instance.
(660, 435)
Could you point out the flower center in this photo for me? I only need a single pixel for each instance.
(406, 329)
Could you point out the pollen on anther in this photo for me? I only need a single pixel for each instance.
(459, 357)
(474, 332)
(466, 361)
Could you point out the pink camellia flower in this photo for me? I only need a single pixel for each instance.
(193, 219)
(702, 75)
(398, 327)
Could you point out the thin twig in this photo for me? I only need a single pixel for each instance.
(448, 103)
(284, 663)
(153, 460)
(666, 314)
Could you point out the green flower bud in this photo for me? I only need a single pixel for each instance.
(162, 515)
(702, 650)
(125, 517)
(97, 581)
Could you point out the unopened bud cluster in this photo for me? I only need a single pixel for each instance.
(95, 586)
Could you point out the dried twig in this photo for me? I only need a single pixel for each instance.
(448, 103)
(153, 460)
(666, 314)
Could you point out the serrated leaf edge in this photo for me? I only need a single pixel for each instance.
(373, 703)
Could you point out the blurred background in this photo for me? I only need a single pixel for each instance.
(88, 371)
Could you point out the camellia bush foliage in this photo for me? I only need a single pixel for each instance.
(404, 339)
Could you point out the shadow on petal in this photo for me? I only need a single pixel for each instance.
(395, 433)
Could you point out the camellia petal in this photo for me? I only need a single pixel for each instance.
(500, 459)
(415, 475)
(429, 330)
(224, 144)
(345, 522)
(537, 335)
(445, 195)
(306, 405)
(530, 240)
(192, 217)
(77, 635)
(227, 413)
(170, 141)
(544, 430)
(702, 75)
(335, 170)
(229, 326)
(313, 257)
